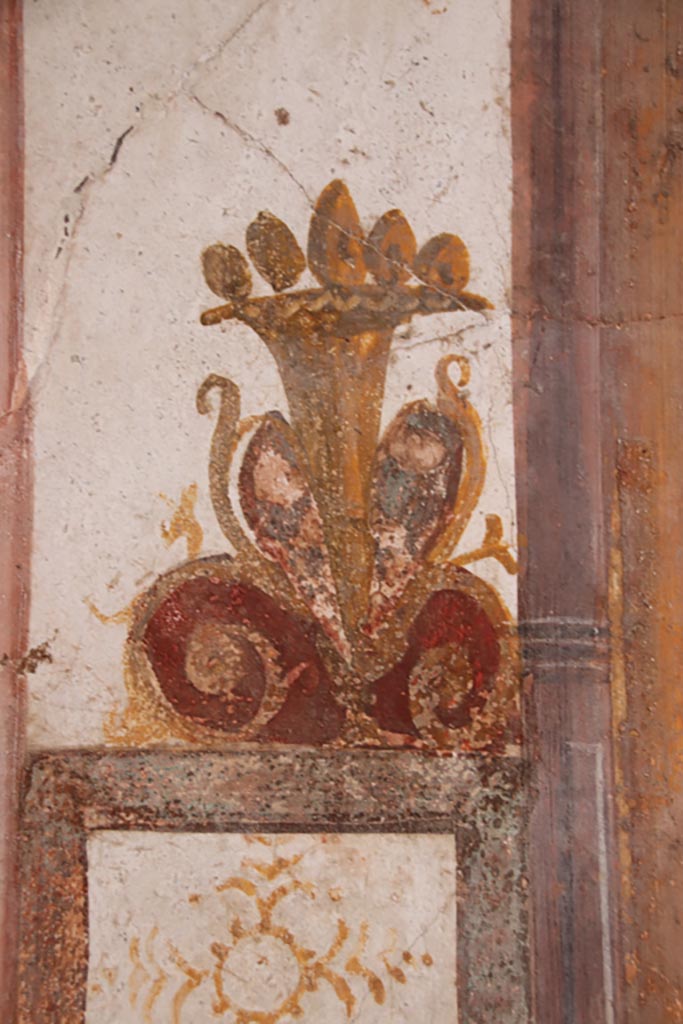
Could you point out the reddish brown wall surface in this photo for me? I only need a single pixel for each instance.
(642, 353)
(14, 485)
(598, 123)
(557, 86)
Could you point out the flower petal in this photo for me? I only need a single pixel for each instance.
(274, 251)
(444, 263)
(280, 508)
(335, 238)
(390, 249)
(414, 486)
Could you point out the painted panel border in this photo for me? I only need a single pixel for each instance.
(479, 801)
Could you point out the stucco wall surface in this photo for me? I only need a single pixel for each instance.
(155, 130)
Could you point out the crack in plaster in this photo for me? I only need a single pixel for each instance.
(252, 140)
(491, 318)
(117, 146)
(149, 114)
(410, 946)
(218, 51)
(188, 80)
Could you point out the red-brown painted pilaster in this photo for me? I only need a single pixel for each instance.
(558, 166)
(14, 487)
(642, 374)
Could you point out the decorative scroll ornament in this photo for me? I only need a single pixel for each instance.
(343, 615)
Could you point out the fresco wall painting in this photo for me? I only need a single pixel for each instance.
(346, 615)
(276, 732)
(284, 933)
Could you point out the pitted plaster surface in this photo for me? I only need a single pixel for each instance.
(333, 927)
(156, 129)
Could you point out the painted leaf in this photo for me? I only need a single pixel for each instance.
(274, 251)
(226, 271)
(444, 263)
(280, 508)
(414, 486)
(391, 248)
(335, 238)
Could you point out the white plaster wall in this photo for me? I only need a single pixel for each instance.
(406, 100)
(376, 915)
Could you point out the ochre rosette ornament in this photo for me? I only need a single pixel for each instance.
(342, 615)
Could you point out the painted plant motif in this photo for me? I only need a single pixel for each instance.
(344, 615)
